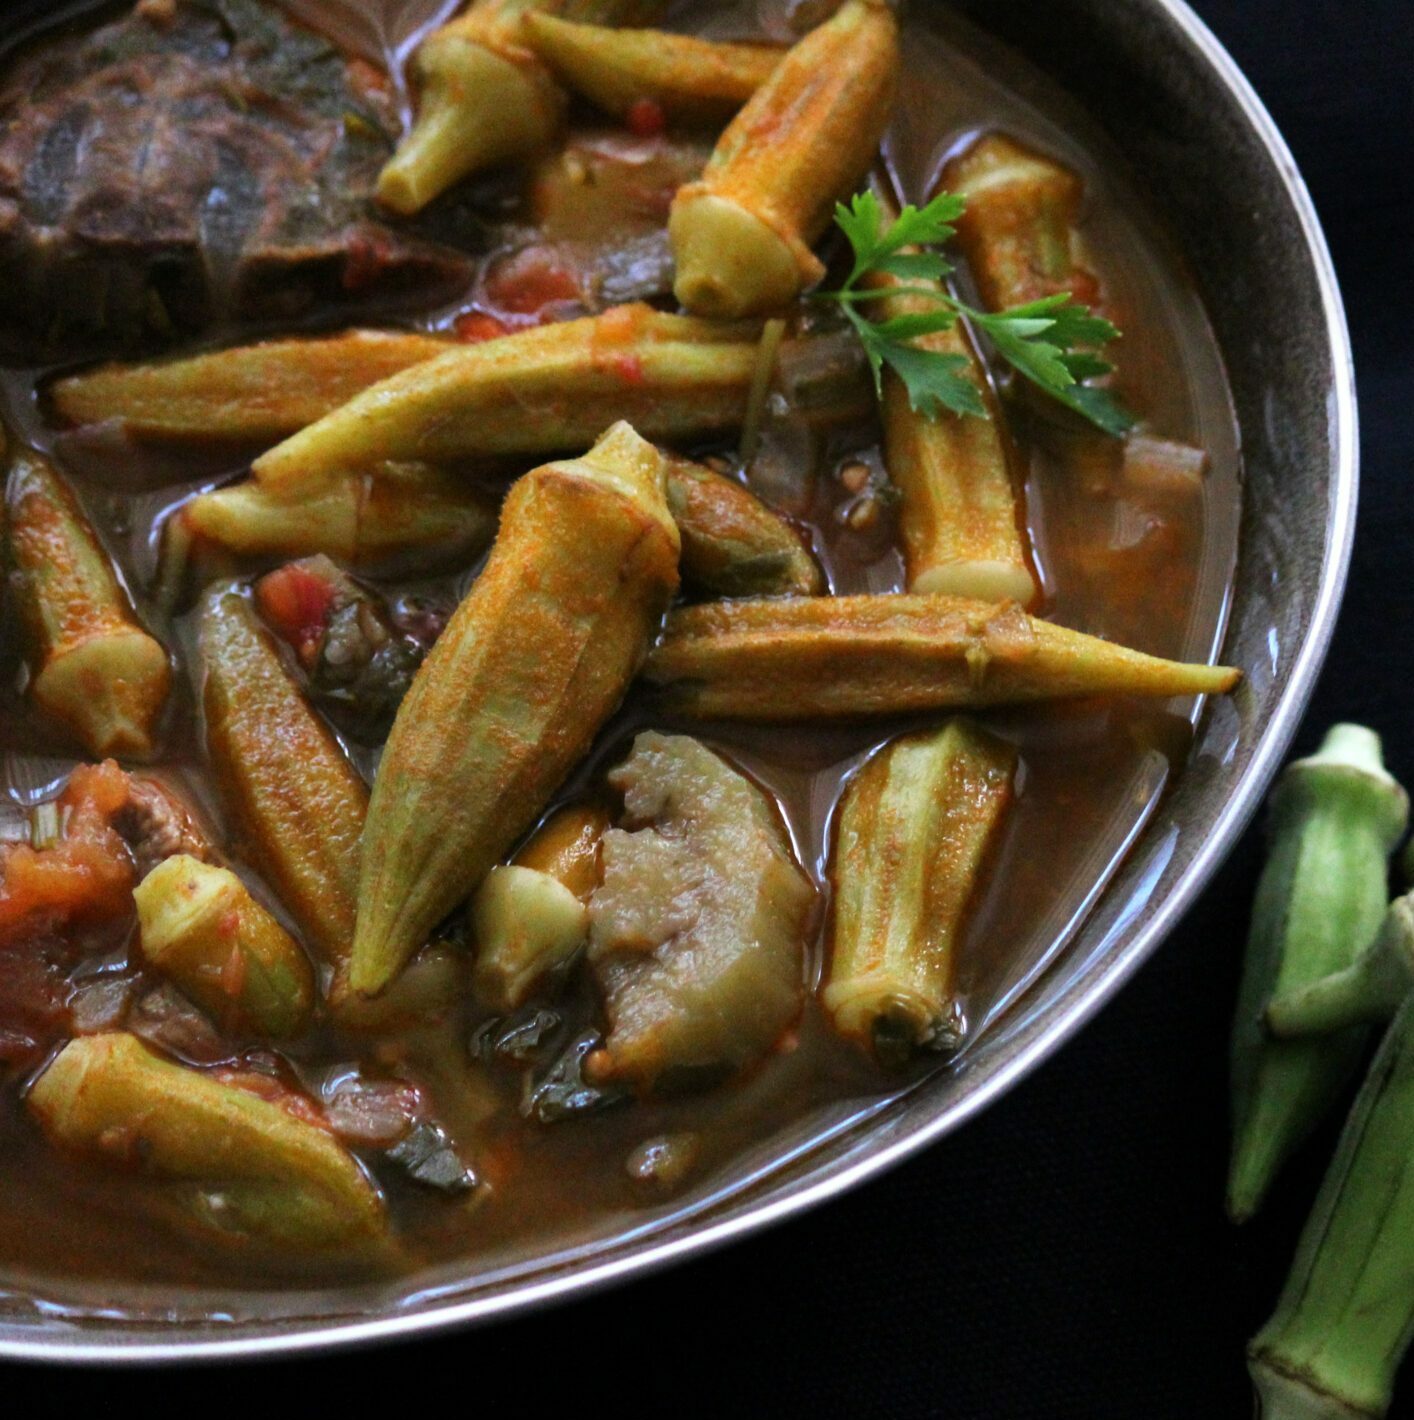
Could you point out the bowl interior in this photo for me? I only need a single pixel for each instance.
(1214, 169)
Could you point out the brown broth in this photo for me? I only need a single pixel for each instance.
(1153, 571)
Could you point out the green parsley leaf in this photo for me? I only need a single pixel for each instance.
(1049, 341)
(936, 381)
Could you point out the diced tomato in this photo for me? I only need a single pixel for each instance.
(629, 368)
(476, 326)
(529, 280)
(646, 118)
(295, 601)
(87, 876)
(619, 325)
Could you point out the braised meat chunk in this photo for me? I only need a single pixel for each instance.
(189, 162)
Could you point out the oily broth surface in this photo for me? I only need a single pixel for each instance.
(1152, 571)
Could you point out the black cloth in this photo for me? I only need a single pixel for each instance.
(1065, 1256)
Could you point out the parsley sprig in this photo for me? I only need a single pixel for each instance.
(1051, 341)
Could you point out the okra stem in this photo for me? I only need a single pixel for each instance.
(93, 667)
(849, 657)
(1335, 818)
(742, 235)
(914, 829)
(1346, 1315)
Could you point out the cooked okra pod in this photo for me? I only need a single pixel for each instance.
(1335, 818)
(733, 545)
(537, 391)
(486, 97)
(92, 666)
(849, 657)
(959, 518)
(238, 1166)
(200, 926)
(1368, 992)
(1018, 229)
(297, 800)
(1346, 1315)
(698, 929)
(250, 394)
(531, 664)
(359, 519)
(741, 236)
(690, 80)
(915, 826)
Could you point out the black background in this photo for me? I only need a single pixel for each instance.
(1065, 1257)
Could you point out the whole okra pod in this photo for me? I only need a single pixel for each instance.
(1018, 229)
(92, 666)
(298, 802)
(360, 519)
(915, 826)
(742, 235)
(690, 80)
(238, 1166)
(486, 97)
(1335, 818)
(248, 394)
(733, 545)
(959, 515)
(536, 391)
(532, 663)
(794, 658)
(1346, 1315)
(199, 925)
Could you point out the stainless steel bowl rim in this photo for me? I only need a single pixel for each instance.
(69, 1345)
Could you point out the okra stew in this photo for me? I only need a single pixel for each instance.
(593, 590)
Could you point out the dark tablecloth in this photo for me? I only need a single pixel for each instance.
(1065, 1257)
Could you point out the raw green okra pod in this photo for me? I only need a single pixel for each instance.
(1369, 991)
(1335, 818)
(1345, 1318)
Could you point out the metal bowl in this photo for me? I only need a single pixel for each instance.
(1174, 104)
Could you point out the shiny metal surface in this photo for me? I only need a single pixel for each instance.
(1175, 104)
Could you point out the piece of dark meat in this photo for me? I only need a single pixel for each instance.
(192, 162)
(155, 825)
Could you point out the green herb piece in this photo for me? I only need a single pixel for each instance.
(1047, 341)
